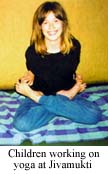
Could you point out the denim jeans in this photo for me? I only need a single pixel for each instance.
(31, 115)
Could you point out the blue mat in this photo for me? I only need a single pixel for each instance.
(59, 129)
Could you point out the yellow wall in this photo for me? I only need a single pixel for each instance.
(88, 19)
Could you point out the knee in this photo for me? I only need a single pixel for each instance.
(94, 117)
(21, 125)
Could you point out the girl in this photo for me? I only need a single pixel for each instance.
(50, 85)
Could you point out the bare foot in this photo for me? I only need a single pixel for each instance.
(24, 89)
(78, 87)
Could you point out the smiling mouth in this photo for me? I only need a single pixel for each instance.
(52, 33)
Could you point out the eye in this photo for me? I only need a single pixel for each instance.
(56, 20)
(45, 22)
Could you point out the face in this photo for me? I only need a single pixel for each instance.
(52, 27)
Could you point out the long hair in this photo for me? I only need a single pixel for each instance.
(37, 37)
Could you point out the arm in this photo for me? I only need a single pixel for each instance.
(79, 85)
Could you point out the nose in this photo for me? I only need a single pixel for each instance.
(51, 26)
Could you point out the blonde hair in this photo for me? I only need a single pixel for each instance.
(37, 37)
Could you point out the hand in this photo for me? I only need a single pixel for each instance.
(27, 78)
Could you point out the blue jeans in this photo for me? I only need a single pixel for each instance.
(31, 115)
